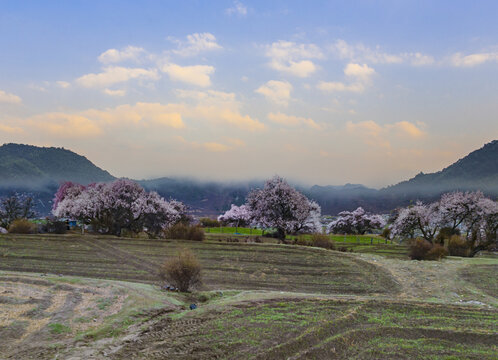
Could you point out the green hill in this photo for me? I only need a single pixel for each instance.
(32, 166)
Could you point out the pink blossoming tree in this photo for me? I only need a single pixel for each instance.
(356, 222)
(471, 213)
(112, 207)
(281, 207)
(237, 215)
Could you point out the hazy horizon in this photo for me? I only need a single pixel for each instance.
(323, 93)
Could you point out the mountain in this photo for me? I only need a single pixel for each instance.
(204, 198)
(476, 171)
(37, 170)
(37, 167)
(334, 199)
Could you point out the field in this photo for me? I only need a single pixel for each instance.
(348, 239)
(99, 297)
(226, 265)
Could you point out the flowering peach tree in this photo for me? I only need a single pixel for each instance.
(471, 213)
(281, 207)
(112, 207)
(356, 222)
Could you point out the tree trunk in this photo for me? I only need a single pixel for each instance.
(281, 235)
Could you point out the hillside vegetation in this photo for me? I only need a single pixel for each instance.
(32, 166)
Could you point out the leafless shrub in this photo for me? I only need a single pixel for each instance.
(182, 271)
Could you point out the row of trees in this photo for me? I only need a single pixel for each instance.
(470, 214)
(117, 206)
(281, 207)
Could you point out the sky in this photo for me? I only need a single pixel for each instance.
(319, 92)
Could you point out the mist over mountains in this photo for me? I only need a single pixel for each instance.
(40, 170)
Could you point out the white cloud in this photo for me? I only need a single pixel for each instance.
(218, 107)
(63, 84)
(461, 60)
(380, 135)
(362, 53)
(215, 147)
(408, 129)
(290, 120)
(65, 125)
(244, 122)
(276, 91)
(335, 86)
(140, 114)
(94, 122)
(10, 129)
(116, 74)
(37, 87)
(360, 74)
(293, 58)
(196, 44)
(302, 68)
(198, 75)
(9, 98)
(211, 146)
(208, 97)
(129, 53)
(238, 8)
(114, 92)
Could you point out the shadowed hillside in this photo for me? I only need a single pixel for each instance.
(476, 171)
(36, 167)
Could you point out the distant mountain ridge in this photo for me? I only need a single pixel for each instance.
(476, 171)
(39, 170)
(32, 166)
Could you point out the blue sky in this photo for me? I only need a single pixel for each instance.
(322, 92)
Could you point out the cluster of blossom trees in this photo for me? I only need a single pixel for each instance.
(112, 207)
(278, 206)
(356, 222)
(470, 213)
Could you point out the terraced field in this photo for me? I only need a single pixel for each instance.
(258, 301)
(226, 265)
(42, 316)
(310, 328)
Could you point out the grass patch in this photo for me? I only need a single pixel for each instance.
(57, 328)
